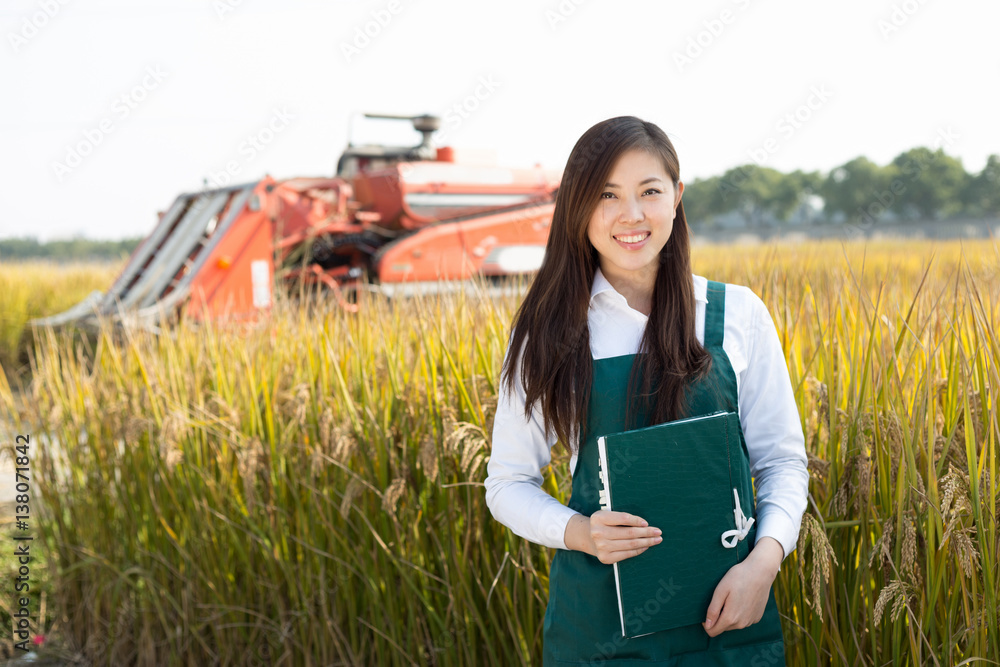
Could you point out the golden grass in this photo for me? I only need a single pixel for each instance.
(29, 290)
(307, 490)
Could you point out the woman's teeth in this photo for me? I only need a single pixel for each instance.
(635, 238)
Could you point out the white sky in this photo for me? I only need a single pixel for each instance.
(223, 75)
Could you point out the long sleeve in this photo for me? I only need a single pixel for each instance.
(521, 450)
(773, 432)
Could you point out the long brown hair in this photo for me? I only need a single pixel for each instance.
(550, 336)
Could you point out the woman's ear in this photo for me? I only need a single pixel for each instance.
(679, 187)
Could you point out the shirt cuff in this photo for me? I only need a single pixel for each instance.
(781, 529)
(553, 525)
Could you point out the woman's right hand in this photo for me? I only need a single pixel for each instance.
(611, 536)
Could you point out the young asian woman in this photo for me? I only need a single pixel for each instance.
(616, 332)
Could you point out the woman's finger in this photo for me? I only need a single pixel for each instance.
(621, 525)
(620, 533)
(617, 556)
(635, 543)
(609, 518)
(618, 550)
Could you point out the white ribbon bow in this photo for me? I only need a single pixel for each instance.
(731, 537)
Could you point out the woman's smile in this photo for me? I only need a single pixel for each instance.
(631, 241)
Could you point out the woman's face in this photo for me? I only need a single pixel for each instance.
(634, 218)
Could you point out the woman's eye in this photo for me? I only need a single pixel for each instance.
(610, 195)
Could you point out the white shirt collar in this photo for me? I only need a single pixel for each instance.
(601, 285)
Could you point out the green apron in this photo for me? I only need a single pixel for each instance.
(581, 625)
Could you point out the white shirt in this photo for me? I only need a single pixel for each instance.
(768, 414)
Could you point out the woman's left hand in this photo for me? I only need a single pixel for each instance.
(741, 596)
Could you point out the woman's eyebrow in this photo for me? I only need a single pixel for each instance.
(648, 180)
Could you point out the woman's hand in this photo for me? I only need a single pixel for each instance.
(740, 597)
(611, 536)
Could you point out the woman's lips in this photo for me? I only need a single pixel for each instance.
(634, 240)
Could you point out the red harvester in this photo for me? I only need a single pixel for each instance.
(392, 218)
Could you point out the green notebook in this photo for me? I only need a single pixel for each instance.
(681, 477)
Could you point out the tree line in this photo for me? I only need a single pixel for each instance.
(919, 184)
(67, 250)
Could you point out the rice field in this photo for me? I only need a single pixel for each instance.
(307, 490)
(35, 289)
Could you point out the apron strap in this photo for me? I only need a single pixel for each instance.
(715, 314)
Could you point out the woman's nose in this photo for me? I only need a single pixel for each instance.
(630, 211)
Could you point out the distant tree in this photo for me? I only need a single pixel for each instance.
(981, 195)
(75, 249)
(793, 190)
(760, 194)
(927, 184)
(701, 200)
(757, 193)
(853, 187)
(16, 248)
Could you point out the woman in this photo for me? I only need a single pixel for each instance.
(616, 333)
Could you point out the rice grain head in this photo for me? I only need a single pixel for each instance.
(174, 456)
(249, 460)
(174, 428)
(862, 499)
(965, 551)
(821, 554)
(344, 444)
(303, 395)
(326, 429)
(955, 499)
(428, 456)
(909, 548)
(895, 592)
(468, 441)
(882, 549)
(392, 495)
(892, 428)
(352, 491)
(820, 395)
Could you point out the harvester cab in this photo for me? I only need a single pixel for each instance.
(396, 219)
(375, 156)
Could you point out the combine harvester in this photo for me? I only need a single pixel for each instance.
(394, 219)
